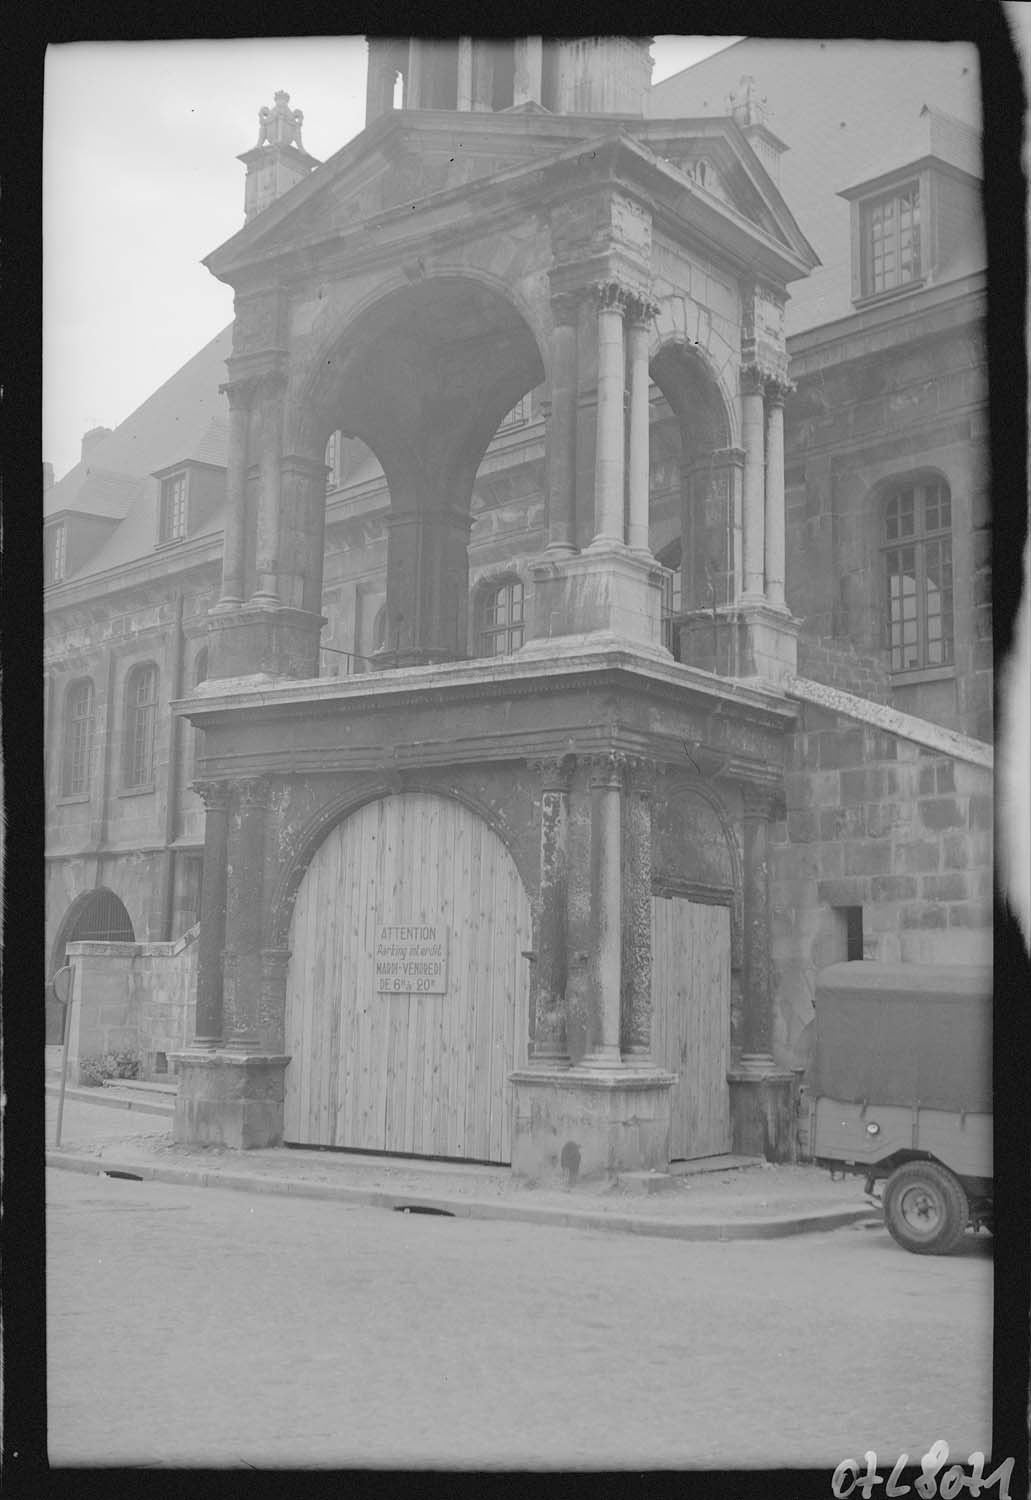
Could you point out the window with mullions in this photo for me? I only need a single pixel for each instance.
(891, 240)
(54, 540)
(173, 508)
(918, 569)
(78, 738)
(501, 624)
(672, 591)
(141, 699)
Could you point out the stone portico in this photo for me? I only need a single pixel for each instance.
(597, 775)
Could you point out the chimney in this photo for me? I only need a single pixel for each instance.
(747, 108)
(48, 477)
(279, 161)
(92, 438)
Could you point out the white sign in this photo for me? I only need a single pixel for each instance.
(411, 959)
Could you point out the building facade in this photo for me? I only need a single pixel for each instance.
(560, 639)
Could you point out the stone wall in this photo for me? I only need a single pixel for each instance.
(132, 997)
(873, 822)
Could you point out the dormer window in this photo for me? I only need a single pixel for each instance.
(173, 508)
(890, 229)
(54, 553)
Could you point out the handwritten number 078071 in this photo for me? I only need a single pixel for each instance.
(848, 1477)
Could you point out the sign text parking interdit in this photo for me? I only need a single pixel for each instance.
(411, 958)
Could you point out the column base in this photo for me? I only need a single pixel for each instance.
(577, 1124)
(230, 1099)
(762, 1110)
(268, 638)
(605, 589)
(747, 640)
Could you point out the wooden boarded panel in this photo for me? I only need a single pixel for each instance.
(691, 1020)
(421, 1073)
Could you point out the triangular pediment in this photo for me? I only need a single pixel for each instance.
(422, 165)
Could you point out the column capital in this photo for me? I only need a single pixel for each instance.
(777, 389)
(640, 310)
(611, 296)
(555, 771)
(216, 795)
(240, 393)
(606, 768)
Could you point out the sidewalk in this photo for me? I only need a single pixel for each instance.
(759, 1201)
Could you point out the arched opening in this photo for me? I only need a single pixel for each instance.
(96, 917)
(408, 935)
(424, 379)
(694, 520)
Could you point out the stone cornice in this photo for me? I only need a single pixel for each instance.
(606, 667)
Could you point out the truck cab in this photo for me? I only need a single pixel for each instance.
(901, 1091)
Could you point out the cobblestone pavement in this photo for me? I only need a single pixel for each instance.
(200, 1326)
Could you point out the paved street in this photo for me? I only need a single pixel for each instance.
(192, 1325)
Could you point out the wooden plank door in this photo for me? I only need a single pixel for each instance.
(420, 1073)
(691, 1020)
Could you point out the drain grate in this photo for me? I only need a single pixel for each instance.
(419, 1208)
(125, 1176)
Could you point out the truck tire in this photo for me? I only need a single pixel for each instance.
(925, 1208)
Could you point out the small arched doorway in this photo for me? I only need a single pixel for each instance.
(407, 1002)
(96, 917)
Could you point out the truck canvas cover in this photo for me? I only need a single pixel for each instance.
(905, 1034)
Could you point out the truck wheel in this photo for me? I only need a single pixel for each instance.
(925, 1208)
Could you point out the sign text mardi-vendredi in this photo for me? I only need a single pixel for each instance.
(411, 958)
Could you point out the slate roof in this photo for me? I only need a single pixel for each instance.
(847, 111)
(173, 424)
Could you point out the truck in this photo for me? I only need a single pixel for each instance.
(900, 1091)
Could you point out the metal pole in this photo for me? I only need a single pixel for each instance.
(66, 1003)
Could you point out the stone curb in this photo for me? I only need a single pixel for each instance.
(473, 1208)
(94, 1096)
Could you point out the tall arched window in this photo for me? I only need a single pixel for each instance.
(200, 672)
(500, 625)
(78, 738)
(141, 701)
(918, 572)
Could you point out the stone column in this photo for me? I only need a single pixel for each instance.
(637, 344)
(269, 501)
(608, 459)
(242, 982)
(240, 394)
(207, 1023)
(776, 391)
(752, 438)
(550, 1045)
(560, 441)
(382, 71)
(465, 72)
(606, 910)
(272, 1006)
(636, 1029)
(757, 1021)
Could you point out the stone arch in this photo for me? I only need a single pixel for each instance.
(683, 784)
(90, 917)
(318, 827)
(667, 337)
(423, 373)
(701, 421)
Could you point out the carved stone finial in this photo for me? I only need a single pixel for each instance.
(281, 125)
(746, 105)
